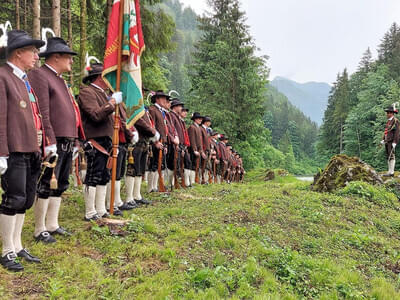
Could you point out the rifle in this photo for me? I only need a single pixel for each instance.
(183, 171)
(176, 183)
(215, 171)
(161, 186)
(197, 180)
(78, 177)
(223, 171)
(203, 171)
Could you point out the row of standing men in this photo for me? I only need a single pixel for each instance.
(43, 128)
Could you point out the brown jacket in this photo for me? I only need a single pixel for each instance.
(159, 122)
(145, 127)
(194, 132)
(17, 127)
(96, 112)
(204, 139)
(392, 131)
(223, 155)
(55, 103)
(177, 123)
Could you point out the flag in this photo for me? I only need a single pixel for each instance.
(132, 48)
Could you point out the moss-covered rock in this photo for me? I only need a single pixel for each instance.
(341, 170)
(269, 175)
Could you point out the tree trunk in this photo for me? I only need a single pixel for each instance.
(25, 16)
(56, 14)
(69, 8)
(109, 8)
(341, 138)
(36, 19)
(36, 22)
(82, 50)
(17, 19)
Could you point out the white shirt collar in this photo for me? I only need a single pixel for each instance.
(96, 86)
(17, 71)
(160, 108)
(390, 119)
(51, 68)
(204, 127)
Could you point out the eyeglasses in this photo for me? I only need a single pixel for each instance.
(34, 50)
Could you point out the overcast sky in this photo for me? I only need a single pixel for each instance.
(313, 40)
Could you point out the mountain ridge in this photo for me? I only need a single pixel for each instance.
(310, 97)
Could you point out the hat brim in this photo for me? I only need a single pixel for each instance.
(90, 77)
(196, 118)
(391, 111)
(153, 98)
(47, 54)
(26, 43)
(185, 109)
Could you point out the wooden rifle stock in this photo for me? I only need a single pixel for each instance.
(215, 171)
(182, 172)
(203, 171)
(161, 185)
(78, 177)
(176, 183)
(197, 179)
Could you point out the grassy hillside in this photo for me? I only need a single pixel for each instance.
(259, 240)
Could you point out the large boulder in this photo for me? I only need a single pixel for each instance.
(341, 170)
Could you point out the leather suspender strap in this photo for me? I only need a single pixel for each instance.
(99, 147)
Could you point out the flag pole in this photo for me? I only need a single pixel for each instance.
(115, 141)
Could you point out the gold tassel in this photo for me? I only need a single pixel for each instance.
(131, 160)
(53, 182)
(83, 165)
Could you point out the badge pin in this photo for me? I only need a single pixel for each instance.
(22, 103)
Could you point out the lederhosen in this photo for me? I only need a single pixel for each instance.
(20, 180)
(140, 152)
(124, 137)
(98, 125)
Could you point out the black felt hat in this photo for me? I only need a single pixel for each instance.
(18, 39)
(223, 138)
(176, 102)
(391, 109)
(185, 109)
(196, 115)
(206, 119)
(158, 94)
(56, 45)
(94, 70)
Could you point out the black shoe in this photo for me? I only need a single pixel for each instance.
(117, 212)
(93, 218)
(24, 253)
(9, 262)
(60, 231)
(106, 215)
(45, 237)
(126, 206)
(143, 201)
(133, 204)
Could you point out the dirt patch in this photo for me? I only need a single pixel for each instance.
(394, 267)
(240, 216)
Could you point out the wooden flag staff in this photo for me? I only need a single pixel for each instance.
(115, 141)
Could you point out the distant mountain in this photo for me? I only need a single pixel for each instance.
(311, 97)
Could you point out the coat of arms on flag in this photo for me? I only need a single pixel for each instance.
(132, 48)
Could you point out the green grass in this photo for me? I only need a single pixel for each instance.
(258, 240)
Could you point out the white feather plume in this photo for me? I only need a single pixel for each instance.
(3, 37)
(45, 31)
(88, 59)
(173, 92)
(395, 105)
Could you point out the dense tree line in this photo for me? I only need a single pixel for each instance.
(209, 60)
(354, 120)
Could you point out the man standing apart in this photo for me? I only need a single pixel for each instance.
(57, 104)
(21, 138)
(391, 138)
